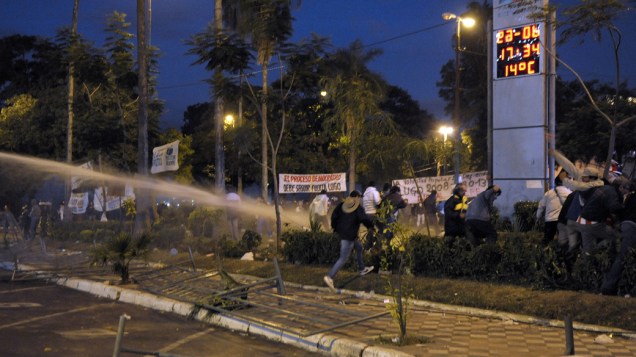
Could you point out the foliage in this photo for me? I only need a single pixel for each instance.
(473, 108)
(184, 173)
(202, 220)
(525, 215)
(302, 247)
(119, 251)
(356, 94)
(168, 236)
(398, 257)
(250, 240)
(227, 247)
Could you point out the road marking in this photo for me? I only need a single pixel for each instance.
(48, 316)
(82, 334)
(183, 341)
(13, 305)
(26, 289)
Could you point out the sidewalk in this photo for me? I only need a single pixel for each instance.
(448, 330)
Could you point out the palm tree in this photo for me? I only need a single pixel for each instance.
(267, 24)
(356, 94)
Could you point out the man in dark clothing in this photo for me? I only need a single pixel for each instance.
(345, 221)
(389, 207)
(627, 217)
(479, 214)
(600, 204)
(430, 209)
(454, 214)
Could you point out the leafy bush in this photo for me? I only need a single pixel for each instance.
(627, 283)
(310, 247)
(250, 241)
(525, 215)
(168, 236)
(86, 235)
(227, 247)
(202, 220)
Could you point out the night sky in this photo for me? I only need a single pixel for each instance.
(412, 62)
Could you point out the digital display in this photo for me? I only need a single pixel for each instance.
(518, 51)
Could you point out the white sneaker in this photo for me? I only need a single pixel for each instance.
(366, 270)
(329, 282)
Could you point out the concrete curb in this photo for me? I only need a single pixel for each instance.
(320, 343)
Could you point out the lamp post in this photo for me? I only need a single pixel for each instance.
(468, 22)
(444, 130)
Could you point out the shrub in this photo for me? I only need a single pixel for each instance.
(250, 241)
(627, 284)
(310, 247)
(484, 260)
(201, 221)
(86, 235)
(168, 236)
(525, 215)
(227, 247)
(427, 259)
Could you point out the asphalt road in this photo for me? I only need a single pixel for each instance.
(39, 319)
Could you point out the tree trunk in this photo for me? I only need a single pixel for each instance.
(219, 155)
(142, 114)
(610, 151)
(352, 158)
(143, 201)
(71, 96)
(264, 133)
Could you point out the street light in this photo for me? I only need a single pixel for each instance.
(444, 130)
(468, 22)
(229, 121)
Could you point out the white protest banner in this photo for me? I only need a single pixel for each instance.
(292, 183)
(411, 189)
(79, 201)
(165, 158)
(476, 182)
(113, 202)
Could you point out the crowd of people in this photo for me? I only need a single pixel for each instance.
(585, 212)
(589, 212)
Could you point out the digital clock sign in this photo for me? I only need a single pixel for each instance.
(518, 51)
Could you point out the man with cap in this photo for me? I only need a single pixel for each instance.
(345, 221)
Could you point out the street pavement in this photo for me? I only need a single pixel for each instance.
(45, 319)
(444, 330)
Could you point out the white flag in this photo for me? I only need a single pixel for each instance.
(79, 201)
(165, 158)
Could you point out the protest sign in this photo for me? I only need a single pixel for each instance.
(413, 189)
(292, 183)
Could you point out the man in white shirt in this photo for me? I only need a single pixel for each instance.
(319, 209)
(233, 200)
(370, 202)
